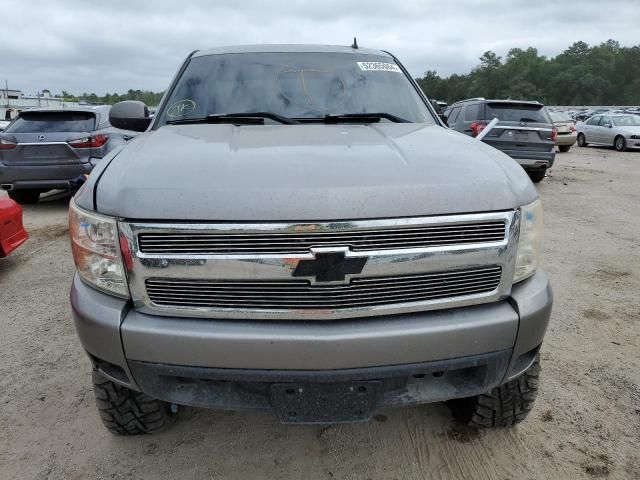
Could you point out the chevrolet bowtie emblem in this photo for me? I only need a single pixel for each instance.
(331, 266)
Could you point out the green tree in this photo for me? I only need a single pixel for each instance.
(605, 74)
(486, 80)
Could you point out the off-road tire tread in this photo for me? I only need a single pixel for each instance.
(127, 412)
(503, 406)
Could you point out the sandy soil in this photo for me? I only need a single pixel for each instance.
(586, 422)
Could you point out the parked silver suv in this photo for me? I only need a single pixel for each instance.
(46, 148)
(295, 231)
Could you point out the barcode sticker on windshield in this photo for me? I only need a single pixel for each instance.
(379, 67)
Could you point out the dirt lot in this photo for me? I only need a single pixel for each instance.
(586, 422)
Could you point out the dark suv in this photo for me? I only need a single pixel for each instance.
(524, 131)
(45, 149)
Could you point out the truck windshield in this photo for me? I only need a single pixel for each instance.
(301, 86)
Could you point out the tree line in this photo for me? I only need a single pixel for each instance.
(149, 98)
(605, 74)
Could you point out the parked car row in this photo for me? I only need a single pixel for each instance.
(527, 131)
(586, 113)
(612, 127)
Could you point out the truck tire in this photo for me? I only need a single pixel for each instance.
(503, 406)
(24, 197)
(538, 175)
(127, 412)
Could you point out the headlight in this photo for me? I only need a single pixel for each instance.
(530, 240)
(96, 251)
(635, 137)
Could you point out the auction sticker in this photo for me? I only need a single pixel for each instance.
(379, 67)
(181, 108)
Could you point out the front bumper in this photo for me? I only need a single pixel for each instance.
(235, 389)
(206, 362)
(42, 177)
(633, 142)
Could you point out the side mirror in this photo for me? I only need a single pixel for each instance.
(609, 125)
(130, 115)
(443, 118)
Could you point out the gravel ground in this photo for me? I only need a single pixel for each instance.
(586, 422)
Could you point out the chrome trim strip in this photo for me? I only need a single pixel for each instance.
(301, 295)
(301, 227)
(533, 129)
(260, 267)
(278, 242)
(39, 144)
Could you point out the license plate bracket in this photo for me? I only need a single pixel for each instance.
(319, 403)
(519, 133)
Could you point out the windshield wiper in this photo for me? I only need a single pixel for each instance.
(249, 118)
(362, 117)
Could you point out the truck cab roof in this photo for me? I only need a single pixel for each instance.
(290, 48)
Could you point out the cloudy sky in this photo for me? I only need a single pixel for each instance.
(111, 46)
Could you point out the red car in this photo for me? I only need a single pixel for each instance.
(12, 233)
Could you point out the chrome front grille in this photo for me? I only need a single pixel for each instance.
(300, 295)
(320, 271)
(207, 243)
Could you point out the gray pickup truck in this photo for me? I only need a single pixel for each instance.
(297, 232)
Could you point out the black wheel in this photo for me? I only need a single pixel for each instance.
(25, 197)
(127, 412)
(582, 140)
(620, 144)
(538, 175)
(503, 406)
(564, 148)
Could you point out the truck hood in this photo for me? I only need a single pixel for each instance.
(305, 173)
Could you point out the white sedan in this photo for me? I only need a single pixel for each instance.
(622, 131)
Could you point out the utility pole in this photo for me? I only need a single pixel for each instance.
(6, 98)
